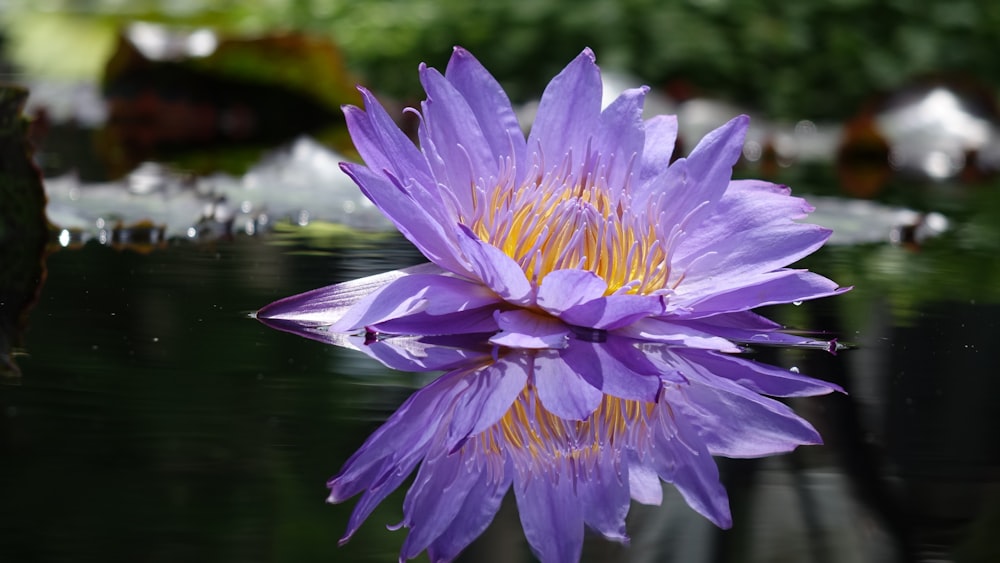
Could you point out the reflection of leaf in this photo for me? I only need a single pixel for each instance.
(23, 226)
(857, 221)
(961, 266)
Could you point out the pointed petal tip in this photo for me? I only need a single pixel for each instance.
(618, 537)
(825, 232)
(348, 108)
(738, 125)
(266, 312)
(830, 387)
(727, 133)
(333, 498)
(723, 517)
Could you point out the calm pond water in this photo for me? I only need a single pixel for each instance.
(155, 421)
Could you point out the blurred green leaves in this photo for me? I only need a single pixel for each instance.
(788, 60)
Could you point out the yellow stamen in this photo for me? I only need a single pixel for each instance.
(537, 440)
(563, 220)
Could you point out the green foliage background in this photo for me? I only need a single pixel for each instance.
(786, 59)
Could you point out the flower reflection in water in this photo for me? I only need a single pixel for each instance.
(501, 418)
(612, 287)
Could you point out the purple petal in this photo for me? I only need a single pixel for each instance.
(661, 135)
(551, 516)
(486, 396)
(408, 430)
(410, 215)
(451, 133)
(477, 322)
(472, 321)
(604, 494)
(716, 404)
(568, 113)
(643, 483)
(319, 333)
(620, 136)
(617, 367)
(739, 426)
(680, 458)
(497, 271)
(702, 177)
(752, 230)
(411, 354)
(474, 516)
(750, 328)
(564, 391)
(435, 498)
(782, 286)
(389, 479)
(523, 329)
(614, 311)
(490, 105)
(744, 253)
(744, 320)
(663, 331)
(564, 289)
(388, 456)
(381, 143)
(325, 306)
(762, 378)
(419, 293)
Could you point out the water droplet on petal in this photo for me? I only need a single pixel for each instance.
(796, 303)
(793, 369)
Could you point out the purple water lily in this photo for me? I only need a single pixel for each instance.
(574, 459)
(612, 287)
(584, 223)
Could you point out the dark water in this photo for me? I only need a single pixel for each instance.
(155, 421)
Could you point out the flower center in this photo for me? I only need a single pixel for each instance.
(539, 441)
(572, 219)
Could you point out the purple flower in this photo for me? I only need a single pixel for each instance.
(612, 287)
(538, 421)
(584, 224)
